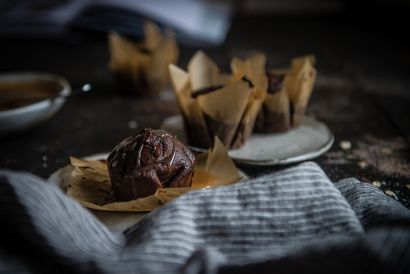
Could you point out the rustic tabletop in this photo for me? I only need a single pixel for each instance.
(362, 94)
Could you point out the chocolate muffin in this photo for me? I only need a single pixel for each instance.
(275, 82)
(274, 115)
(232, 135)
(149, 160)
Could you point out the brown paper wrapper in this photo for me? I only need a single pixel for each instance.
(253, 69)
(194, 120)
(229, 111)
(285, 108)
(299, 83)
(90, 183)
(274, 115)
(142, 68)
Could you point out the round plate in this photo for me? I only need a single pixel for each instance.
(307, 141)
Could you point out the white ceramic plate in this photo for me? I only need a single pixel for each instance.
(28, 116)
(307, 141)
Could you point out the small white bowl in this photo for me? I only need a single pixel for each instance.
(28, 116)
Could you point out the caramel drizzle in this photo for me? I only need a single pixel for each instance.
(173, 150)
(139, 154)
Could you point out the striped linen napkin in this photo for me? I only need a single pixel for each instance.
(291, 221)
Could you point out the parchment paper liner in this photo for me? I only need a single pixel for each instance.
(286, 108)
(253, 69)
(230, 111)
(90, 184)
(142, 68)
(274, 115)
(299, 83)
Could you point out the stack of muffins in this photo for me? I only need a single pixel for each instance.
(251, 98)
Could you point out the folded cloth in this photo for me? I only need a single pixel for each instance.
(292, 221)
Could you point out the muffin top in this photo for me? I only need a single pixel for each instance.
(149, 160)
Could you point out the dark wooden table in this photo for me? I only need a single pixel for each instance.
(362, 94)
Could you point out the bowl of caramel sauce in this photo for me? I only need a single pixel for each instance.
(29, 99)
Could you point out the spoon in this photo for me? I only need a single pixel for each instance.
(28, 97)
(83, 89)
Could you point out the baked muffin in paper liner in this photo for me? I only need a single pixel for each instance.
(213, 103)
(141, 68)
(287, 97)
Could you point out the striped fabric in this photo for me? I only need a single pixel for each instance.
(291, 221)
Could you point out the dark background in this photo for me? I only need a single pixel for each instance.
(362, 91)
